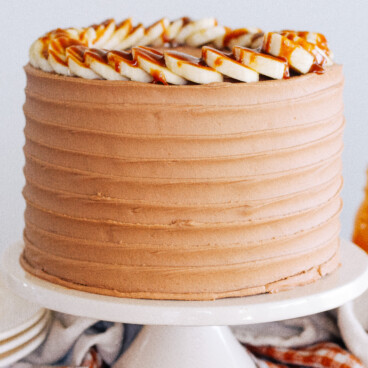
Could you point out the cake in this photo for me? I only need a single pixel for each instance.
(187, 192)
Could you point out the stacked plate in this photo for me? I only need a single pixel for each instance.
(23, 327)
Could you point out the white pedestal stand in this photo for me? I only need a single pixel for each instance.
(169, 340)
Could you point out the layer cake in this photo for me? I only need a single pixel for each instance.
(190, 192)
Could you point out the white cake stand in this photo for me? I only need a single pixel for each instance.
(193, 334)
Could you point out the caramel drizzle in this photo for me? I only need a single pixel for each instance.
(189, 59)
(59, 45)
(78, 54)
(116, 57)
(219, 60)
(57, 41)
(155, 57)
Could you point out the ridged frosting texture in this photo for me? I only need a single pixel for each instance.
(188, 192)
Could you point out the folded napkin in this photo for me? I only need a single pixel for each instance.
(76, 341)
(316, 356)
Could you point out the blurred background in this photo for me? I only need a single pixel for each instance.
(22, 21)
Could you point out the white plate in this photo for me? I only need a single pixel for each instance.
(346, 283)
(22, 351)
(24, 337)
(16, 313)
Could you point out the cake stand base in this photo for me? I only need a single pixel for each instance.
(184, 347)
(170, 340)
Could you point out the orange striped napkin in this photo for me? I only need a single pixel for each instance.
(325, 354)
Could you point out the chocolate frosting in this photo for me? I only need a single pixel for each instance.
(182, 192)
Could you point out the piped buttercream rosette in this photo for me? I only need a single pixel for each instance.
(122, 51)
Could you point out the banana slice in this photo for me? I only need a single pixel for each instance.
(39, 53)
(104, 31)
(174, 28)
(263, 64)
(57, 57)
(132, 39)
(240, 37)
(96, 59)
(194, 26)
(121, 31)
(76, 63)
(153, 62)
(320, 57)
(153, 32)
(204, 36)
(318, 39)
(219, 41)
(123, 63)
(191, 68)
(228, 66)
(97, 34)
(171, 31)
(257, 41)
(298, 58)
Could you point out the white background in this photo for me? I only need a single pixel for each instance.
(22, 21)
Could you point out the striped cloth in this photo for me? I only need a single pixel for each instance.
(320, 355)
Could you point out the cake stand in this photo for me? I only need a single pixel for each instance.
(193, 334)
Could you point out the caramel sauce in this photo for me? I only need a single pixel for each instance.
(254, 54)
(150, 54)
(82, 35)
(255, 37)
(321, 40)
(319, 60)
(316, 68)
(97, 54)
(58, 32)
(78, 53)
(165, 38)
(124, 23)
(189, 59)
(218, 61)
(45, 46)
(267, 43)
(286, 49)
(116, 57)
(234, 34)
(154, 24)
(252, 57)
(158, 77)
(61, 43)
(103, 24)
(186, 20)
(101, 29)
(133, 29)
(57, 58)
(58, 46)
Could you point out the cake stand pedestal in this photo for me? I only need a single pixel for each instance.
(193, 334)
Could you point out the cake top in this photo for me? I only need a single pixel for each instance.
(179, 52)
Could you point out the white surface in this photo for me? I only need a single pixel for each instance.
(344, 23)
(24, 350)
(345, 284)
(194, 347)
(16, 313)
(25, 336)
